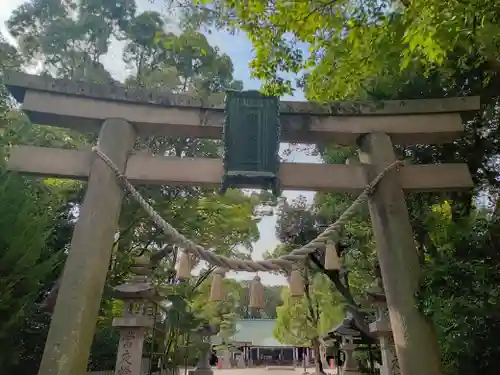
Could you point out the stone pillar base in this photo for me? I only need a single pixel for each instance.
(226, 359)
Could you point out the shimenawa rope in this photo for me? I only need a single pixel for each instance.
(284, 262)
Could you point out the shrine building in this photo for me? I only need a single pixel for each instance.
(256, 346)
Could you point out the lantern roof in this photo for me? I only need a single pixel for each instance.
(349, 328)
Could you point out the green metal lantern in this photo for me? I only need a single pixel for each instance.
(251, 141)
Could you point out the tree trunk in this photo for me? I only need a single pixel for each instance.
(318, 364)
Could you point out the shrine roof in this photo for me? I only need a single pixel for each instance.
(255, 332)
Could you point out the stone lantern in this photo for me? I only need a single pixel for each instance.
(137, 317)
(381, 328)
(203, 367)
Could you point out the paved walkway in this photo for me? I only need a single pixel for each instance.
(264, 371)
(243, 371)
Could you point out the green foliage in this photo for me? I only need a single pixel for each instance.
(300, 321)
(35, 228)
(178, 331)
(10, 59)
(220, 313)
(460, 290)
(70, 37)
(272, 299)
(106, 337)
(26, 262)
(223, 221)
(347, 47)
(348, 50)
(68, 40)
(399, 50)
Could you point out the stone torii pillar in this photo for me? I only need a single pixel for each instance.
(415, 341)
(73, 322)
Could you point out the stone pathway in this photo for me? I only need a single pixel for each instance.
(263, 371)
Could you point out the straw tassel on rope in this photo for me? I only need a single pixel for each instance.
(332, 259)
(184, 267)
(296, 281)
(217, 289)
(257, 300)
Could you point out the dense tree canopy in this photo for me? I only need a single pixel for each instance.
(347, 48)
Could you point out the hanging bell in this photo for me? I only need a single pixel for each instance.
(332, 259)
(257, 300)
(217, 289)
(296, 282)
(184, 266)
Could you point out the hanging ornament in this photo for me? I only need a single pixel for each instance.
(217, 290)
(332, 259)
(184, 266)
(256, 294)
(352, 160)
(296, 282)
(251, 137)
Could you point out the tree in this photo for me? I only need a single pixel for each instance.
(355, 45)
(69, 38)
(220, 313)
(10, 59)
(27, 223)
(399, 50)
(463, 263)
(225, 224)
(187, 63)
(272, 298)
(301, 321)
(36, 226)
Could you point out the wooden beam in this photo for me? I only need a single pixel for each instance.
(18, 83)
(147, 169)
(85, 114)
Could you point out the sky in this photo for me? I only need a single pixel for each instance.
(239, 49)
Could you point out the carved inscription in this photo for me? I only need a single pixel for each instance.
(394, 363)
(128, 360)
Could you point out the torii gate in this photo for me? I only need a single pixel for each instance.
(120, 114)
